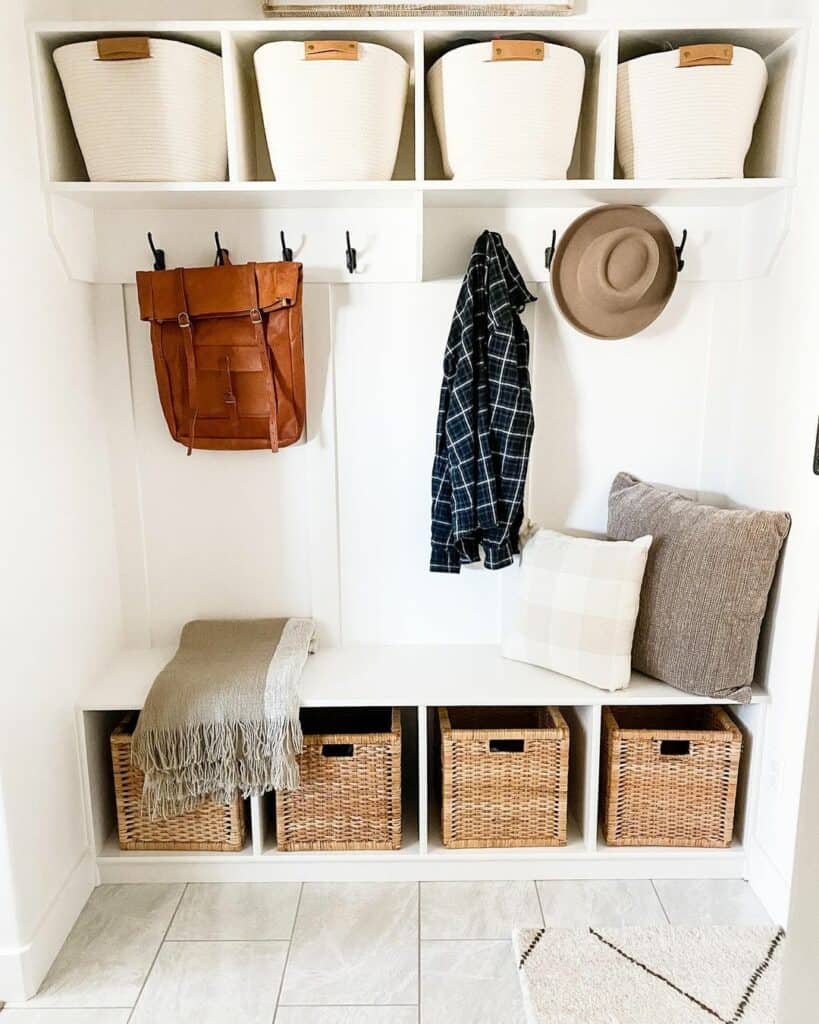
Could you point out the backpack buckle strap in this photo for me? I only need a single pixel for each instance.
(184, 322)
(270, 380)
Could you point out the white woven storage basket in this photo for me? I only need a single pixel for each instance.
(332, 119)
(687, 122)
(506, 119)
(161, 118)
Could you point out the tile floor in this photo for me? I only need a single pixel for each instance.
(335, 953)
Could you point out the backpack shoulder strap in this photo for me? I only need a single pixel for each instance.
(186, 327)
(267, 367)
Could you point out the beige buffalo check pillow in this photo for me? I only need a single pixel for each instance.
(572, 604)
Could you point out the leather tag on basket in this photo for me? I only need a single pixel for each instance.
(706, 55)
(124, 48)
(331, 49)
(518, 49)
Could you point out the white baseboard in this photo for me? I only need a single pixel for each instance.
(771, 887)
(23, 968)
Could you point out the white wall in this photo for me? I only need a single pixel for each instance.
(764, 398)
(226, 532)
(593, 402)
(221, 533)
(800, 980)
(60, 608)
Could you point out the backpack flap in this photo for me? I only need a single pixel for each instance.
(279, 284)
(220, 291)
(160, 294)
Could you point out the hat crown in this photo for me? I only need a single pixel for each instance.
(618, 268)
(614, 271)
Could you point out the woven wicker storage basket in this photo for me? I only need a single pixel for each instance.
(213, 826)
(669, 776)
(687, 122)
(332, 120)
(160, 118)
(505, 777)
(349, 795)
(506, 119)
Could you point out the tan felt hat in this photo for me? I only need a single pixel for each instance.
(614, 270)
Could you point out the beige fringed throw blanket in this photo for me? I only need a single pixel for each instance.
(223, 715)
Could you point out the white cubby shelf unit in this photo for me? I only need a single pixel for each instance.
(416, 227)
(417, 679)
(734, 226)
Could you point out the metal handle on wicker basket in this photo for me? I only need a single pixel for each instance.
(506, 746)
(337, 750)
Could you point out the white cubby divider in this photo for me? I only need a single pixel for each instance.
(401, 223)
(418, 680)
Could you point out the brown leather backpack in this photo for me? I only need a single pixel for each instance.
(228, 353)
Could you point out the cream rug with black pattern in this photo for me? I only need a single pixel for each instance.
(720, 975)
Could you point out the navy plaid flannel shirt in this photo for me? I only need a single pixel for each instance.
(485, 417)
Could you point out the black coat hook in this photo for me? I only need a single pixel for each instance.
(159, 254)
(287, 253)
(221, 254)
(352, 256)
(550, 251)
(679, 251)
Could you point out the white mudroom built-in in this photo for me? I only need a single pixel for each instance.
(486, 424)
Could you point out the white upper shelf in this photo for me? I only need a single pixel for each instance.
(436, 194)
(601, 43)
(403, 676)
(419, 225)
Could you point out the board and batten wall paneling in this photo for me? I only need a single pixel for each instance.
(225, 533)
(389, 347)
(606, 406)
(338, 526)
(599, 407)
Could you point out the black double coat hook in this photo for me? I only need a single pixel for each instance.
(549, 253)
(352, 256)
(158, 254)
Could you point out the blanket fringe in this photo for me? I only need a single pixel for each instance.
(186, 766)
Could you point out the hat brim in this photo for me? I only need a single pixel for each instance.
(589, 317)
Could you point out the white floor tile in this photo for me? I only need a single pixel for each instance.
(263, 911)
(347, 1015)
(707, 901)
(44, 1016)
(470, 982)
(354, 943)
(111, 947)
(477, 910)
(607, 903)
(212, 983)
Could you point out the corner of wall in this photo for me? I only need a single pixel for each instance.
(23, 968)
(770, 886)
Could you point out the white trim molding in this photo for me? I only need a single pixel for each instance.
(23, 968)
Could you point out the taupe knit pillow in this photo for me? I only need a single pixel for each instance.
(705, 587)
